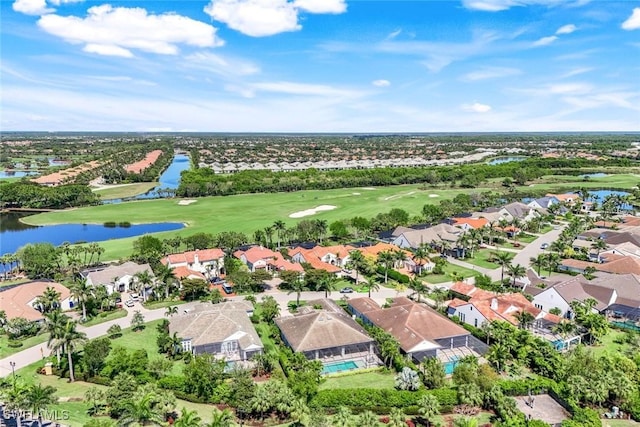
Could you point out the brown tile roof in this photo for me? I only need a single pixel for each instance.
(414, 325)
(15, 301)
(184, 272)
(363, 304)
(141, 165)
(474, 223)
(626, 265)
(321, 329)
(274, 259)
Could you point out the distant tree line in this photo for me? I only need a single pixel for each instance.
(25, 194)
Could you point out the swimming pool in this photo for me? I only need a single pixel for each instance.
(450, 365)
(332, 368)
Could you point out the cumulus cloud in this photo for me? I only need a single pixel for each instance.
(32, 7)
(321, 6)
(476, 107)
(633, 22)
(260, 18)
(116, 31)
(381, 83)
(500, 5)
(544, 41)
(566, 29)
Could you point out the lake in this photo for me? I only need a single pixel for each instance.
(15, 174)
(14, 234)
(170, 179)
(501, 160)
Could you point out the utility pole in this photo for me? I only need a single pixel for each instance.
(13, 373)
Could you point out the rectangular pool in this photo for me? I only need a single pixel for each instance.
(332, 368)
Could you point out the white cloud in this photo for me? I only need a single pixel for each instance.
(116, 31)
(32, 7)
(476, 107)
(544, 41)
(490, 73)
(566, 29)
(633, 22)
(321, 6)
(394, 34)
(260, 18)
(500, 5)
(292, 88)
(219, 64)
(59, 2)
(381, 83)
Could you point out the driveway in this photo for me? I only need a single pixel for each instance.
(533, 249)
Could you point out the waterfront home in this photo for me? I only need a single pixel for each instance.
(117, 278)
(209, 262)
(21, 300)
(259, 257)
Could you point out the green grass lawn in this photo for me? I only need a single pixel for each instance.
(448, 270)
(12, 282)
(125, 190)
(5, 350)
(144, 339)
(371, 379)
(108, 316)
(261, 210)
(152, 305)
(608, 344)
(481, 259)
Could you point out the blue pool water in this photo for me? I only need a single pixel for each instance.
(595, 175)
(332, 368)
(450, 366)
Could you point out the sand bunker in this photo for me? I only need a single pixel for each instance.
(368, 188)
(313, 211)
(186, 202)
(356, 194)
(434, 195)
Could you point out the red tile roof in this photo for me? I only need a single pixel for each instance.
(204, 255)
(184, 272)
(274, 259)
(141, 165)
(474, 223)
(15, 301)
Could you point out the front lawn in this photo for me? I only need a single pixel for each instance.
(446, 276)
(609, 345)
(152, 305)
(481, 259)
(5, 350)
(106, 317)
(140, 340)
(370, 379)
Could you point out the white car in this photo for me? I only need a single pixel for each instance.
(134, 296)
(129, 303)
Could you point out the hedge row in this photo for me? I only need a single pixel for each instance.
(374, 398)
(394, 275)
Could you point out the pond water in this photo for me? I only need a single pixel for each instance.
(600, 195)
(595, 175)
(501, 160)
(15, 174)
(14, 234)
(169, 179)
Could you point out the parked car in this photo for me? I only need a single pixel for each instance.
(544, 246)
(134, 297)
(346, 290)
(216, 280)
(227, 288)
(129, 303)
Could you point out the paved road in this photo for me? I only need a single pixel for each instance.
(34, 354)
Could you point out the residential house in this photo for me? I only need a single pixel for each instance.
(468, 224)
(117, 278)
(482, 307)
(435, 236)
(543, 202)
(518, 210)
(568, 198)
(616, 264)
(257, 257)
(330, 258)
(328, 334)
(209, 262)
(224, 330)
(420, 331)
(627, 294)
(20, 300)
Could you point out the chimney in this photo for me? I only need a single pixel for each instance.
(494, 304)
(195, 258)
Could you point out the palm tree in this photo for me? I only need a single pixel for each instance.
(297, 286)
(599, 245)
(386, 259)
(69, 340)
(220, 418)
(537, 262)
(171, 310)
(54, 325)
(187, 419)
(372, 285)
(428, 407)
(81, 292)
(141, 411)
(357, 262)
(145, 279)
(524, 319)
(49, 300)
(326, 284)
(279, 226)
(38, 398)
(15, 401)
(420, 256)
(418, 287)
(516, 271)
(503, 259)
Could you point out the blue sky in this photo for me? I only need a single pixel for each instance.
(320, 65)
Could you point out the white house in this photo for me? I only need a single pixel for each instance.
(205, 261)
(20, 300)
(116, 278)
